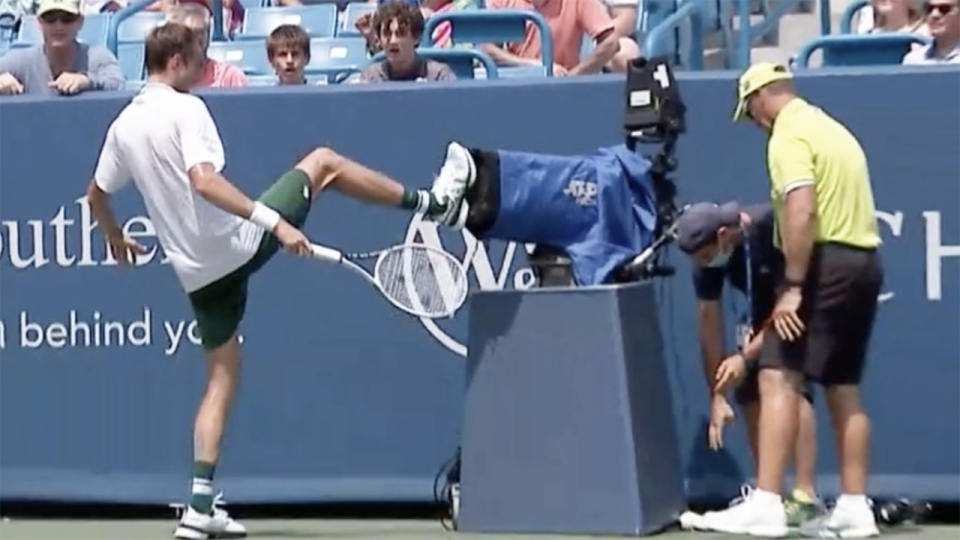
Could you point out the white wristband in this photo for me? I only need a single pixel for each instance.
(265, 216)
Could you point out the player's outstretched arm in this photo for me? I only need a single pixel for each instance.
(220, 192)
(124, 250)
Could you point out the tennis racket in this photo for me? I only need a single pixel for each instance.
(418, 279)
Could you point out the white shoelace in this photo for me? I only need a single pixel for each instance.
(745, 491)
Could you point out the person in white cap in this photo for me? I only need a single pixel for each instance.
(59, 65)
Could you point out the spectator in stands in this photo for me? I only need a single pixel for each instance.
(232, 13)
(894, 16)
(60, 65)
(288, 49)
(216, 74)
(943, 18)
(625, 14)
(399, 27)
(442, 36)
(93, 7)
(569, 21)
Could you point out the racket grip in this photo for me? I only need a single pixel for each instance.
(325, 253)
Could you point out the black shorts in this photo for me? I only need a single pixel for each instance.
(838, 310)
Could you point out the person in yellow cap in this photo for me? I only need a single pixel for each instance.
(826, 304)
(60, 65)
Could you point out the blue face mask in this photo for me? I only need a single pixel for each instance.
(721, 259)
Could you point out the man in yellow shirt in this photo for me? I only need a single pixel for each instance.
(827, 302)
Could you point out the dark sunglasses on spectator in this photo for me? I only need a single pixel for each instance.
(943, 9)
(59, 16)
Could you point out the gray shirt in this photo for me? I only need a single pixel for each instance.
(427, 70)
(31, 67)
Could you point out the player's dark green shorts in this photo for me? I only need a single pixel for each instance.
(219, 306)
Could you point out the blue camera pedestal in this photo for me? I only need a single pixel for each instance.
(569, 424)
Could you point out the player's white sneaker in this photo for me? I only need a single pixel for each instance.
(751, 515)
(844, 521)
(457, 175)
(218, 524)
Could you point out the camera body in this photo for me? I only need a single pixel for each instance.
(654, 116)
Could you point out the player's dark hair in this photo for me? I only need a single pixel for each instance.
(288, 36)
(169, 40)
(409, 18)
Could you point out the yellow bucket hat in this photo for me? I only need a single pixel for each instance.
(754, 78)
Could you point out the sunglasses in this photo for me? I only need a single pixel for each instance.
(59, 16)
(942, 9)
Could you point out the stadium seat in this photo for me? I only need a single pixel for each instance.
(29, 31)
(492, 26)
(93, 32)
(336, 58)
(137, 26)
(319, 21)
(854, 50)
(460, 61)
(249, 56)
(354, 11)
(131, 57)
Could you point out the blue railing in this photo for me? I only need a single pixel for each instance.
(113, 30)
(748, 33)
(660, 40)
(457, 59)
(493, 25)
(854, 50)
(846, 20)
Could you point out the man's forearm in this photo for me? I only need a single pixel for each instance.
(711, 343)
(800, 232)
(503, 57)
(224, 195)
(751, 351)
(601, 55)
(100, 208)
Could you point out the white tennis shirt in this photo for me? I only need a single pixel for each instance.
(154, 141)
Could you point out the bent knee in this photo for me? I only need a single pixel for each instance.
(322, 166)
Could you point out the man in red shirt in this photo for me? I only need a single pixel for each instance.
(569, 21)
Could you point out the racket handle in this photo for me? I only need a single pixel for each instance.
(325, 253)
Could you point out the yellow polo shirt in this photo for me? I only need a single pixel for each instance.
(807, 147)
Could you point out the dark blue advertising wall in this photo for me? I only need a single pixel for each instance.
(344, 398)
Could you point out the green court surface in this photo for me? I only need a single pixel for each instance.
(332, 529)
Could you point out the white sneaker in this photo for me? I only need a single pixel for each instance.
(218, 524)
(457, 175)
(844, 521)
(749, 515)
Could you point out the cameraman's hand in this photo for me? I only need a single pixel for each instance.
(721, 414)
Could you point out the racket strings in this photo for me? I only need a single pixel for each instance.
(422, 281)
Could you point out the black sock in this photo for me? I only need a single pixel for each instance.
(421, 200)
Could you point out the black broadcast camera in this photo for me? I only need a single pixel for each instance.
(655, 115)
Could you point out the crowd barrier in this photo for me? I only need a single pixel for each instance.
(347, 400)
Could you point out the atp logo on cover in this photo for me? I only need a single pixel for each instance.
(494, 266)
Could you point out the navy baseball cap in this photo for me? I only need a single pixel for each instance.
(697, 227)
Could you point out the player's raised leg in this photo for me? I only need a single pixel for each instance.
(328, 169)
